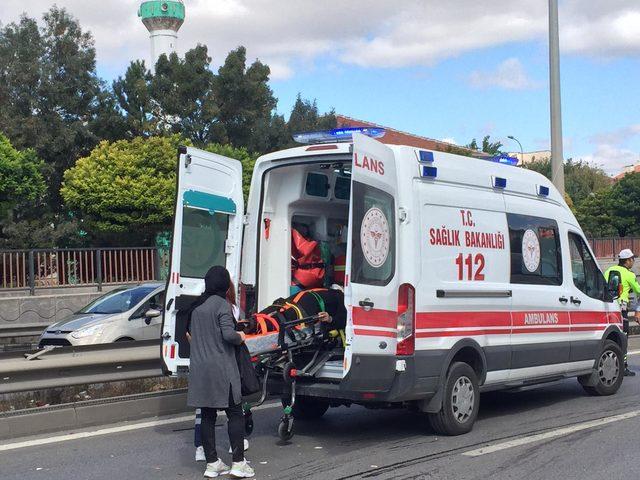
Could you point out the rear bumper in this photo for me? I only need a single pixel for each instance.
(376, 379)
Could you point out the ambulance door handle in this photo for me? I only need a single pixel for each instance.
(576, 300)
(563, 299)
(366, 304)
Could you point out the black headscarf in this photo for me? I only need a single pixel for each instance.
(216, 282)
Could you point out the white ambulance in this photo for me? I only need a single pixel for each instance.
(462, 275)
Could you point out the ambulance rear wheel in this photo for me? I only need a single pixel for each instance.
(609, 370)
(460, 403)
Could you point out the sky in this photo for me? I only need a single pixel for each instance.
(449, 70)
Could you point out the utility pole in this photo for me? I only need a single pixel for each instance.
(557, 160)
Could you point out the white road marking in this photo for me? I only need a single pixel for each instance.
(552, 434)
(110, 430)
(633, 352)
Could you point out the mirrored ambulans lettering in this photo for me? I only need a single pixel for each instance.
(368, 163)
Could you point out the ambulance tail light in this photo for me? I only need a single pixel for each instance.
(406, 320)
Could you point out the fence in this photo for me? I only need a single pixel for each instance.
(610, 247)
(31, 269)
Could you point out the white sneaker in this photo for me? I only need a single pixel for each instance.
(200, 457)
(241, 470)
(246, 446)
(215, 469)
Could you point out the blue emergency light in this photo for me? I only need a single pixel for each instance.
(337, 135)
(543, 191)
(429, 172)
(504, 159)
(425, 156)
(499, 182)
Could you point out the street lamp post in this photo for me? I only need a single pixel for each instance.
(557, 162)
(511, 137)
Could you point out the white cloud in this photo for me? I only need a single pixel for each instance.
(509, 75)
(373, 33)
(616, 137)
(612, 159)
(449, 140)
(601, 29)
(612, 150)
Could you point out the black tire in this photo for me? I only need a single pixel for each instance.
(285, 430)
(609, 371)
(457, 415)
(124, 339)
(308, 408)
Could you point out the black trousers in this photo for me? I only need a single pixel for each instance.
(235, 426)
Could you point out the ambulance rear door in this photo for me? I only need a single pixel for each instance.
(371, 293)
(207, 231)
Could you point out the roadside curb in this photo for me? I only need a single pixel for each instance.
(89, 413)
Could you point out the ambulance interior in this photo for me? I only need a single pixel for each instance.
(306, 206)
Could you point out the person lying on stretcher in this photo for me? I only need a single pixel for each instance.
(327, 302)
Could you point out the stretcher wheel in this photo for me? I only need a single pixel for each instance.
(285, 429)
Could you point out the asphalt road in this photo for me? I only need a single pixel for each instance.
(546, 433)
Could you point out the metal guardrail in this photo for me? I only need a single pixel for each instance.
(73, 267)
(22, 330)
(66, 366)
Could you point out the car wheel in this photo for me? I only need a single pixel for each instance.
(609, 371)
(461, 401)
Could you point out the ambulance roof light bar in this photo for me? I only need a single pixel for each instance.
(337, 135)
(504, 159)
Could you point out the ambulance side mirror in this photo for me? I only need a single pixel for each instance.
(613, 288)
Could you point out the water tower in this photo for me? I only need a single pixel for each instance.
(163, 19)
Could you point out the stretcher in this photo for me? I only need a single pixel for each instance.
(301, 349)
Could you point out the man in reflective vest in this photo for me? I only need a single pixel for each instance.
(628, 282)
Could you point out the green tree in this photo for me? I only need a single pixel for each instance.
(21, 180)
(133, 94)
(49, 91)
(305, 117)
(125, 186)
(492, 148)
(182, 93)
(594, 215)
(581, 178)
(244, 99)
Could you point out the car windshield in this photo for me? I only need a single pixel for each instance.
(118, 301)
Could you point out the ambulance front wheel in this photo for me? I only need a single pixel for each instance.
(608, 373)
(460, 403)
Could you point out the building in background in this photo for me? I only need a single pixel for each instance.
(397, 137)
(628, 169)
(528, 157)
(163, 19)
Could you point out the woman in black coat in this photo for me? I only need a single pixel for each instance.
(214, 378)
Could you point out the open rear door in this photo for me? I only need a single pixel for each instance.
(207, 231)
(371, 292)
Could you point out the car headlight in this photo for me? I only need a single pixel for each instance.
(88, 332)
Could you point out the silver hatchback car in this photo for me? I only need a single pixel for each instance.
(126, 313)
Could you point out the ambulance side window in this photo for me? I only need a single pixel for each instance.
(203, 237)
(586, 274)
(373, 240)
(536, 257)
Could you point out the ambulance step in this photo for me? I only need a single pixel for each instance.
(332, 369)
